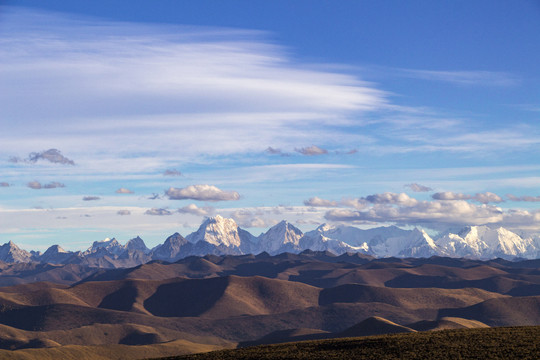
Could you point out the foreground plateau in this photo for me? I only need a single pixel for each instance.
(200, 304)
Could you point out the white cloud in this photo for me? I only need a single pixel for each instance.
(527, 198)
(246, 219)
(487, 197)
(37, 185)
(172, 172)
(484, 198)
(196, 87)
(91, 198)
(201, 192)
(157, 212)
(391, 198)
(123, 212)
(123, 191)
(433, 214)
(195, 210)
(316, 201)
(312, 150)
(448, 195)
(418, 188)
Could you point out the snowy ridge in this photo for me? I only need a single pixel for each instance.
(222, 236)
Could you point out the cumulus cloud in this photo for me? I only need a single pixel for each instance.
(527, 198)
(391, 198)
(37, 185)
(51, 155)
(201, 192)
(195, 210)
(123, 191)
(123, 212)
(154, 196)
(312, 150)
(157, 212)
(434, 214)
(418, 188)
(318, 202)
(487, 197)
(357, 203)
(4, 184)
(91, 198)
(172, 172)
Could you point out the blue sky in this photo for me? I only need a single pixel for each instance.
(123, 118)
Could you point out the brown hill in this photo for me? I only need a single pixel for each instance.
(407, 298)
(230, 296)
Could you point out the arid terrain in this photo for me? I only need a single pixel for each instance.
(207, 303)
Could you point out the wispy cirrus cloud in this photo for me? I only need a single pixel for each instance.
(247, 85)
(465, 78)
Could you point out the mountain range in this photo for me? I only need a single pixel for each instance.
(222, 236)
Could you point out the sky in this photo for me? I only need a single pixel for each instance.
(126, 118)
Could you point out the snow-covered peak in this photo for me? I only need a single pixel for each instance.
(111, 245)
(217, 231)
(408, 243)
(282, 236)
(55, 249)
(9, 252)
(485, 242)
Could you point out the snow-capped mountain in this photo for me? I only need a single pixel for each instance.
(282, 237)
(483, 242)
(222, 234)
(359, 237)
(9, 252)
(112, 246)
(412, 243)
(316, 241)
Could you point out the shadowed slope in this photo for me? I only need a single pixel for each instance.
(230, 296)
